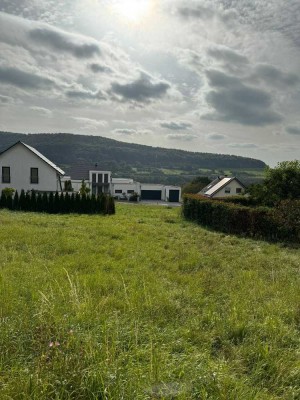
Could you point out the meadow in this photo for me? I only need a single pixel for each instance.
(144, 305)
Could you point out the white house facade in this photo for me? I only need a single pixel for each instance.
(124, 187)
(223, 187)
(23, 167)
(146, 191)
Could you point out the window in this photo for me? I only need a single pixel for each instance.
(105, 178)
(130, 191)
(34, 175)
(238, 190)
(227, 189)
(100, 178)
(5, 174)
(118, 191)
(94, 178)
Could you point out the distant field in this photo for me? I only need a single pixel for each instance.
(182, 176)
(144, 305)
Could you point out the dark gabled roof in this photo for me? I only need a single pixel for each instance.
(81, 171)
(220, 184)
(37, 153)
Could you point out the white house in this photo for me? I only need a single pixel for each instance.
(23, 167)
(97, 180)
(223, 187)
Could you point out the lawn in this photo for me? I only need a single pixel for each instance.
(144, 305)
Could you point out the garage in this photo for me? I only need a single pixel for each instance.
(151, 195)
(174, 196)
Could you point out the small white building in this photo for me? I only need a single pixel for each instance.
(146, 191)
(124, 187)
(223, 187)
(23, 167)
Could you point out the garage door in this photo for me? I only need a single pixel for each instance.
(151, 194)
(174, 196)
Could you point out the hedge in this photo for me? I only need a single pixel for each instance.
(279, 224)
(58, 203)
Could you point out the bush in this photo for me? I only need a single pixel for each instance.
(282, 223)
(58, 203)
(134, 197)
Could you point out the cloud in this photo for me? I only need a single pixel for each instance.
(274, 76)
(4, 100)
(216, 136)
(85, 95)
(24, 80)
(197, 11)
(227, 55)
(41, 110)
(243, 145)
(233, 101)
(193, 10)
(63, 42)
(125, 131)
(141, 90)
(99, 68)
(293, 130)
(90, 123)
(182, 137)
(131, 132)
(176, 126)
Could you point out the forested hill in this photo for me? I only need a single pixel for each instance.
(126, 158)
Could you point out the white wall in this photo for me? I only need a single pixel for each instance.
(135, 186)
(20, 160)
(233, 185)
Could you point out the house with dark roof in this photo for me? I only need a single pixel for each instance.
(223, 187)
(96, 179)
(23, 167)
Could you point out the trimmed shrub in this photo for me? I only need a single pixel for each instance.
(60, 203)
(259, 222)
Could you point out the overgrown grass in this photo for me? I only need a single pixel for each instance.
(144, 305)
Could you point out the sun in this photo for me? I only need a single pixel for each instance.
(133, 11)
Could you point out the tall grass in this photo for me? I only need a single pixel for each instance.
(144, 305)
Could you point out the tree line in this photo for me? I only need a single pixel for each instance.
(57, 203)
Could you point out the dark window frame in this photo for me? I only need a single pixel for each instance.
(118, 191)
(8, 180)
(34, 179)
(238, 190)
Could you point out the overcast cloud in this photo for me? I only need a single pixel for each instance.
(202, 75)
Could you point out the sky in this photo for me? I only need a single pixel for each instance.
(217, 76)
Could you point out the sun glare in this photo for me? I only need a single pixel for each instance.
(133, 10)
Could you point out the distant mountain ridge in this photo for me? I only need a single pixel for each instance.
(126, 159)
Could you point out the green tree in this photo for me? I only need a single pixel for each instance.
(280, 183)
(16, 201)
(196, 185)
(84, 190)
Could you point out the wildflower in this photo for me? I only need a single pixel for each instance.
(54, 344)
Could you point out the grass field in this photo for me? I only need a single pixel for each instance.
(144, 305)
